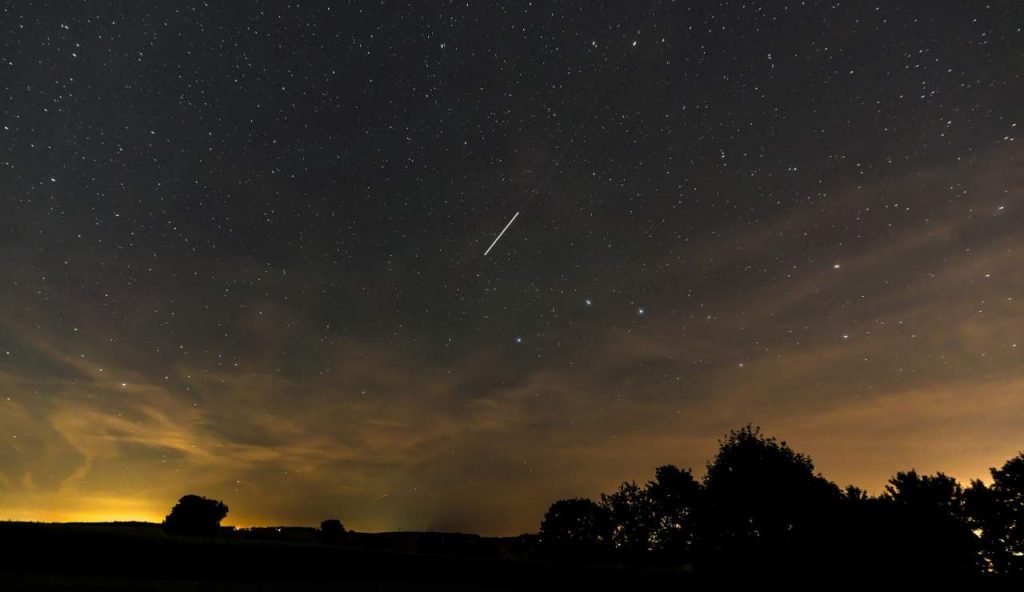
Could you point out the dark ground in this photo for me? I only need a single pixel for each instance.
(140, 556)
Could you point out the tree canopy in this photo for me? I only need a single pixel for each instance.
(762, 505)
(195, 515)
(998, 512)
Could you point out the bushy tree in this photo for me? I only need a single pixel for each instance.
(673, 494)
(576, 528)
(937, 493)
(634, 520)
(195, 515)
(998, 512)
(762, 502)
(634, 524)
(927, 518)
(332, 531)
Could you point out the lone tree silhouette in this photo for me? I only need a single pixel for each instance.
(195, 515)
(331, 531)
(576, 528)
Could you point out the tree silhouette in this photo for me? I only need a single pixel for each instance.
(998, 512)
(195, 515)
(673, 493)
(762, 507)
(939, 493)
(332, 531)
(576, 528)
(928, 520)
(634, 520)
(854, 494)
(761, 502)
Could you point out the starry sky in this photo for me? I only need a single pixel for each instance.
(242, 250)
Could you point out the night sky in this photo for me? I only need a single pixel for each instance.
(242, 250)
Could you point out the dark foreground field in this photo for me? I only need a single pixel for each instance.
(142, 557)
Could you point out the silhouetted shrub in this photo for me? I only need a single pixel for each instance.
(331, 531)
(577, 529)
(195, 516)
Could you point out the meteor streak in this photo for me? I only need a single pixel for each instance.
(501, 233)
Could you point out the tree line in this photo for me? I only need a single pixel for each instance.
(762, 506)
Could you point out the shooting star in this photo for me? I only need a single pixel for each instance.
(501, 233)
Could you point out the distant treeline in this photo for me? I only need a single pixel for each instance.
(761, 506)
